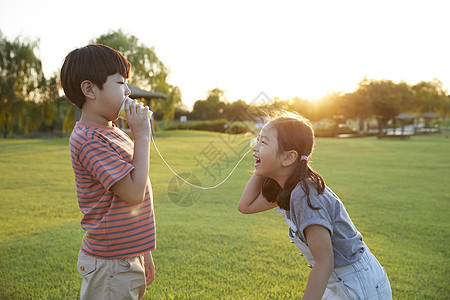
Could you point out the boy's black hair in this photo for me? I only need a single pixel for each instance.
(94, 63)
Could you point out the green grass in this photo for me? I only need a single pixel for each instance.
(396, 192)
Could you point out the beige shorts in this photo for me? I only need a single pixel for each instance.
(122, 278)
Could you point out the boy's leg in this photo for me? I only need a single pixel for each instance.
(128, 281)
(111, 279)
(93, 275)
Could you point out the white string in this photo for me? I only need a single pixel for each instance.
(194, 185)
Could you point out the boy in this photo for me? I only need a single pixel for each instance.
(111, 174)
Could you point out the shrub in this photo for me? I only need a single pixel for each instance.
(324, 132)
(343, 129)
(215, 125)
(237, 129)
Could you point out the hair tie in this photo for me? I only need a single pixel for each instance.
(304, 157)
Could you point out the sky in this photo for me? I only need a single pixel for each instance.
(284, 49)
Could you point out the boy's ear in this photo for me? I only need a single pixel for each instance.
(87, 87)
(289, 157)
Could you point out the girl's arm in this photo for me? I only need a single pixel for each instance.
(252, 200)
(319, 242)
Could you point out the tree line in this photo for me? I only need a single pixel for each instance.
(30, 102)
(381, 100)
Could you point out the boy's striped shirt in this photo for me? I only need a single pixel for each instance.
(101, 156)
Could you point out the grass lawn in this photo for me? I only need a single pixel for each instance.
(396, 192)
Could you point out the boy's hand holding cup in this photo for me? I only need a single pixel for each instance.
(137, 116)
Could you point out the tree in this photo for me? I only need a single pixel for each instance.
(168, 105)
(302, 106)
(386, 99)
(355, 106)
(429, 96)
(48, 99)
(147, 71)
(180, 111)
(237, 111)
(20, 71)
(328, 107)
(216, 95)
(210, 109)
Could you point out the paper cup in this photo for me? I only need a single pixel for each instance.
(122, 110)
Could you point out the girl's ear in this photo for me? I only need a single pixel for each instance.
(87, 87)
(288, 158)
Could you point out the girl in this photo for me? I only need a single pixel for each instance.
(342, 265)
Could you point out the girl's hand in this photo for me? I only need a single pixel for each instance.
(137, 119)
(252, 199)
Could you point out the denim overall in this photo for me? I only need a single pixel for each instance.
(364, 279)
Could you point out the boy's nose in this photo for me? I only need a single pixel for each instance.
(128, 91)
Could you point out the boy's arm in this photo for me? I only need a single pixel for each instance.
(131, 188)
(252, 199)
(149, 267)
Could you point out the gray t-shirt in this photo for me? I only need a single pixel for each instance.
(346, 240)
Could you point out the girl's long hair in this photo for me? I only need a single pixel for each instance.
(294, 133)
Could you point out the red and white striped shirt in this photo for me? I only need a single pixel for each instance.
(101, 156)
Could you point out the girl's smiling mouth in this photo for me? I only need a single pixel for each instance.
(257, 161)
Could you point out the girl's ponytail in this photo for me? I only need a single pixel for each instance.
(273, 192)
